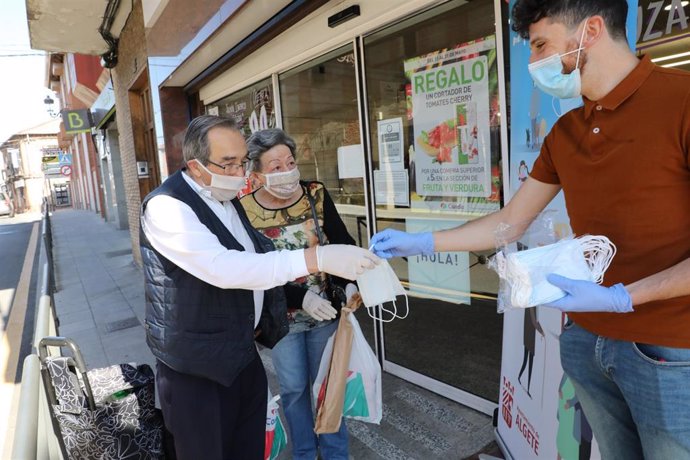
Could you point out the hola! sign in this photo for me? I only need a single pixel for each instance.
(76, 121)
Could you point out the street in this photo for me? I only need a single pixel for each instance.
(19, 238)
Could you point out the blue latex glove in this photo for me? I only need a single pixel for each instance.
(586, 296)
(394, 243)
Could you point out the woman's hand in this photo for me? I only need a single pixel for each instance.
(318, 308)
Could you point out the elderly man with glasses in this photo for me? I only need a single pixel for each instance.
(211, 290)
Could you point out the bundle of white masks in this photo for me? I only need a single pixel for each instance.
(378, 286)
(524, 272)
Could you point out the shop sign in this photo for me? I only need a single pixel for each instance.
(50, 156)
(252, 108)
(76, 121)
(54, 151)
(660, 19)
(102, 108)
(50, 159)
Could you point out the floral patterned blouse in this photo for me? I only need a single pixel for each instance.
(293, 227)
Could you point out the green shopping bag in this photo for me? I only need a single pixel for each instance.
(356, 404)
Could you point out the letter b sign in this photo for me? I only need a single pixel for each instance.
(76, 121)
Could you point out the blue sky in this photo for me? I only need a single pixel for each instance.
(22, 78)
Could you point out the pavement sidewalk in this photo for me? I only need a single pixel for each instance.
(100, 304)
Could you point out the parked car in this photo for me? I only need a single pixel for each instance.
(6, 207)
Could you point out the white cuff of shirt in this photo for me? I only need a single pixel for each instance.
(297, 263)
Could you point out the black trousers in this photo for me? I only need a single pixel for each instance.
(211, 421)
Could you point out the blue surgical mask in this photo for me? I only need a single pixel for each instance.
(549, 77)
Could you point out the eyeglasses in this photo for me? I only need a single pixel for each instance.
(231, 167)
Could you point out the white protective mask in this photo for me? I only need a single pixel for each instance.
(583, 258)
(282, 184)
(224, 187)
(379, 285)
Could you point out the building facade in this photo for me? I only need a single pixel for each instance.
(77, 80)
(27, 160)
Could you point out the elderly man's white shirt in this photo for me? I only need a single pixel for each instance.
(175, 231)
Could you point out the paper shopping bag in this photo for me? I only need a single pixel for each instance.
(330, 383)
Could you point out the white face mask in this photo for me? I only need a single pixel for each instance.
(584, 258)
(379, 285)
(282, 185)
(223, 187)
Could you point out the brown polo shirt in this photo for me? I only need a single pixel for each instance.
(623, 164)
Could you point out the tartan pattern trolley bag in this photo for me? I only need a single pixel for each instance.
(106, 413)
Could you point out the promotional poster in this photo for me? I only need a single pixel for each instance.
(452, 100)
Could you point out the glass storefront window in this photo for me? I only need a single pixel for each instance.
(252, 108)
(318, 102)
(432, 84)
(319, 107)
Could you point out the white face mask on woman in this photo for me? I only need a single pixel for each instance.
(282, 185)
(224, 187)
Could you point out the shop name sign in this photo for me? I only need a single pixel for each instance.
(51, 154)
(674, 13)
(76, 121)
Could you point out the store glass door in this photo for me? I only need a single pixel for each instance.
(434, 122)
(318, 102)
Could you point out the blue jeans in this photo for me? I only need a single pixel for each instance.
(296, 359)
(636, 396)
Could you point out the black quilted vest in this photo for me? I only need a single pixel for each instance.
(194, 327)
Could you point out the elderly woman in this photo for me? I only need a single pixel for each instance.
(297, 214)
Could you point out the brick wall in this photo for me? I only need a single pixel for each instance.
(132, 58)
(175, 114)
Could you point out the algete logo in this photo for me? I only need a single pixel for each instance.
(507, 399)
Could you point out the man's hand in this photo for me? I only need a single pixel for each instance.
(318, 308)
(344, 260)
(586, 296)
(394, 243)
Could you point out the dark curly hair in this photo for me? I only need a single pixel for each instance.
(571, 13)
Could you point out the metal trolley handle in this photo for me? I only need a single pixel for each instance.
(62, 342)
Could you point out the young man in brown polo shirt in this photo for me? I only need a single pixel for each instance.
(622, 162)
